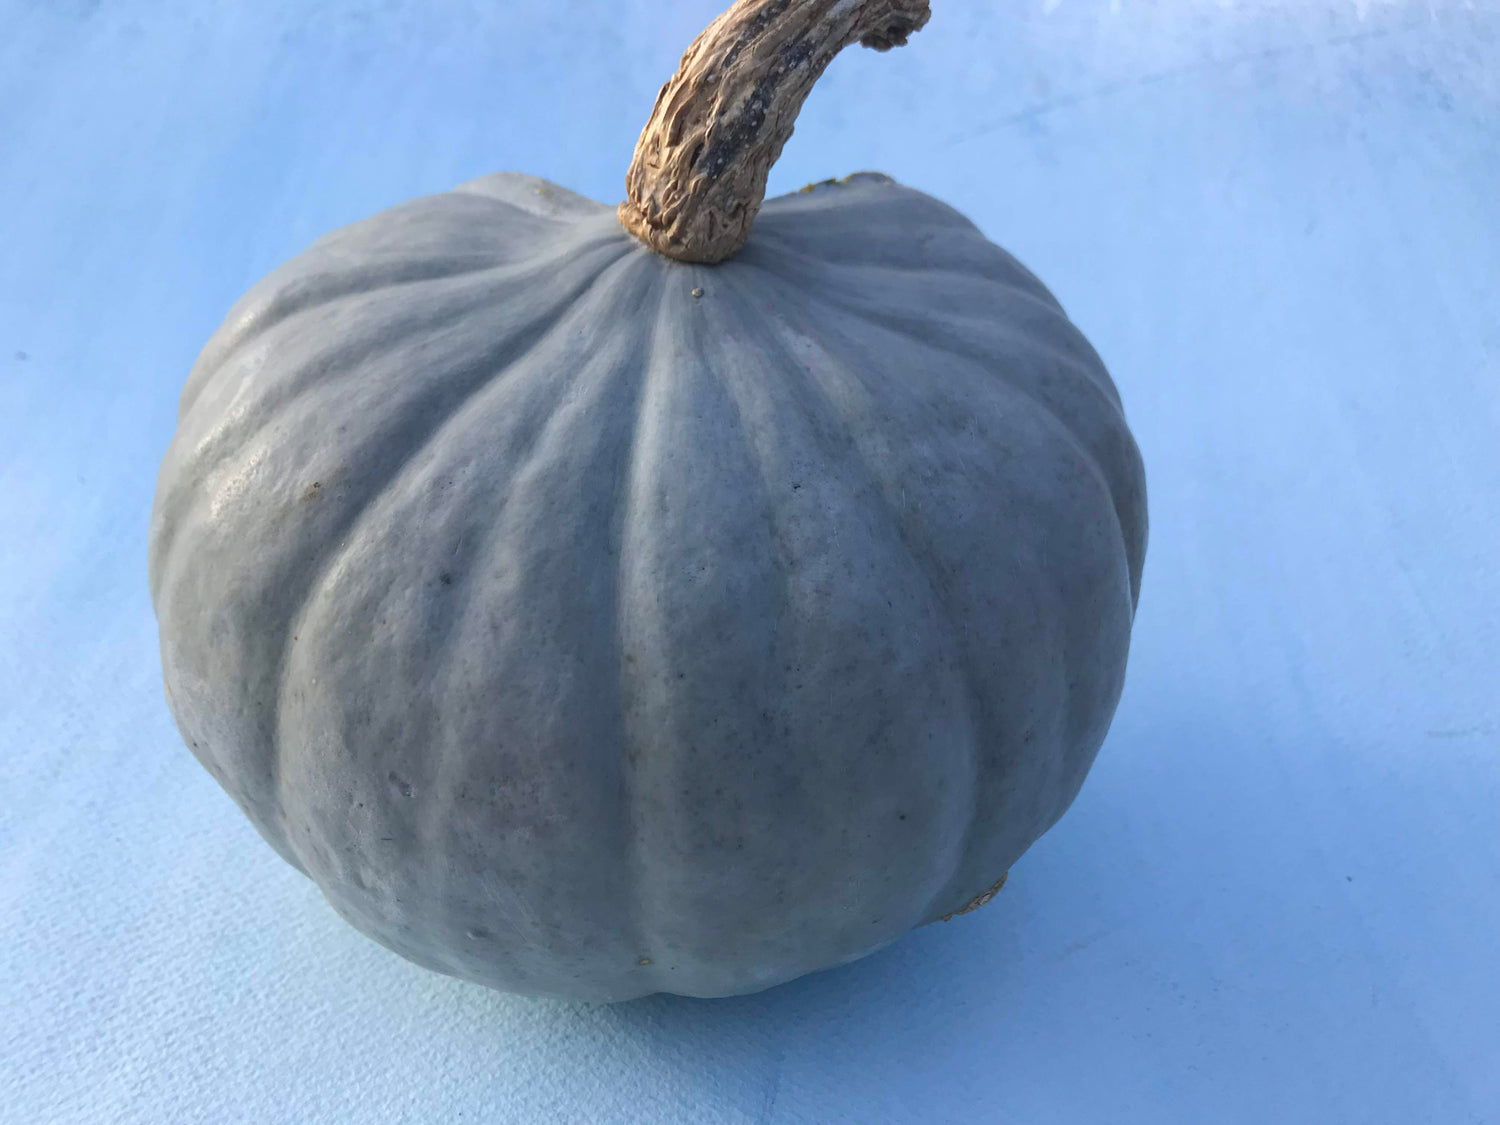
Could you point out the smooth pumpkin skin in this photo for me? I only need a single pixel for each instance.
(585, 637)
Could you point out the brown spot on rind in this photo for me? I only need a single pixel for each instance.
(979, 900)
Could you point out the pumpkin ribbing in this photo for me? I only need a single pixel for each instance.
(591, 623)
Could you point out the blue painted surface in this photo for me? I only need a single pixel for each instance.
(1278, 895)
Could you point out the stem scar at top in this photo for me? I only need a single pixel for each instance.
(699, 173)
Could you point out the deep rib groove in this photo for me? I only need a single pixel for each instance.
(514, 350)
(1049, 417)
(285, 395)
(874, 320)
(975, 711)
(438, 809)
(281, 306)
(176, 505)
(1015, 278)
(911, 275)
(633, 924)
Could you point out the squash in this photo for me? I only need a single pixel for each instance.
(604, 601)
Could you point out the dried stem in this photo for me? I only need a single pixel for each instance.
(699, 173)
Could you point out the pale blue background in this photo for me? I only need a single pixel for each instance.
(1277, 898)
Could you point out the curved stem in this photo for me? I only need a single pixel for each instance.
(699, 173)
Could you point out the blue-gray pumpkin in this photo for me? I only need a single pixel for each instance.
(590, 620)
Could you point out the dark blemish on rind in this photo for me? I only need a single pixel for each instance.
(22, 357)
(402, 785)
(446, 578)
(477, 933)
